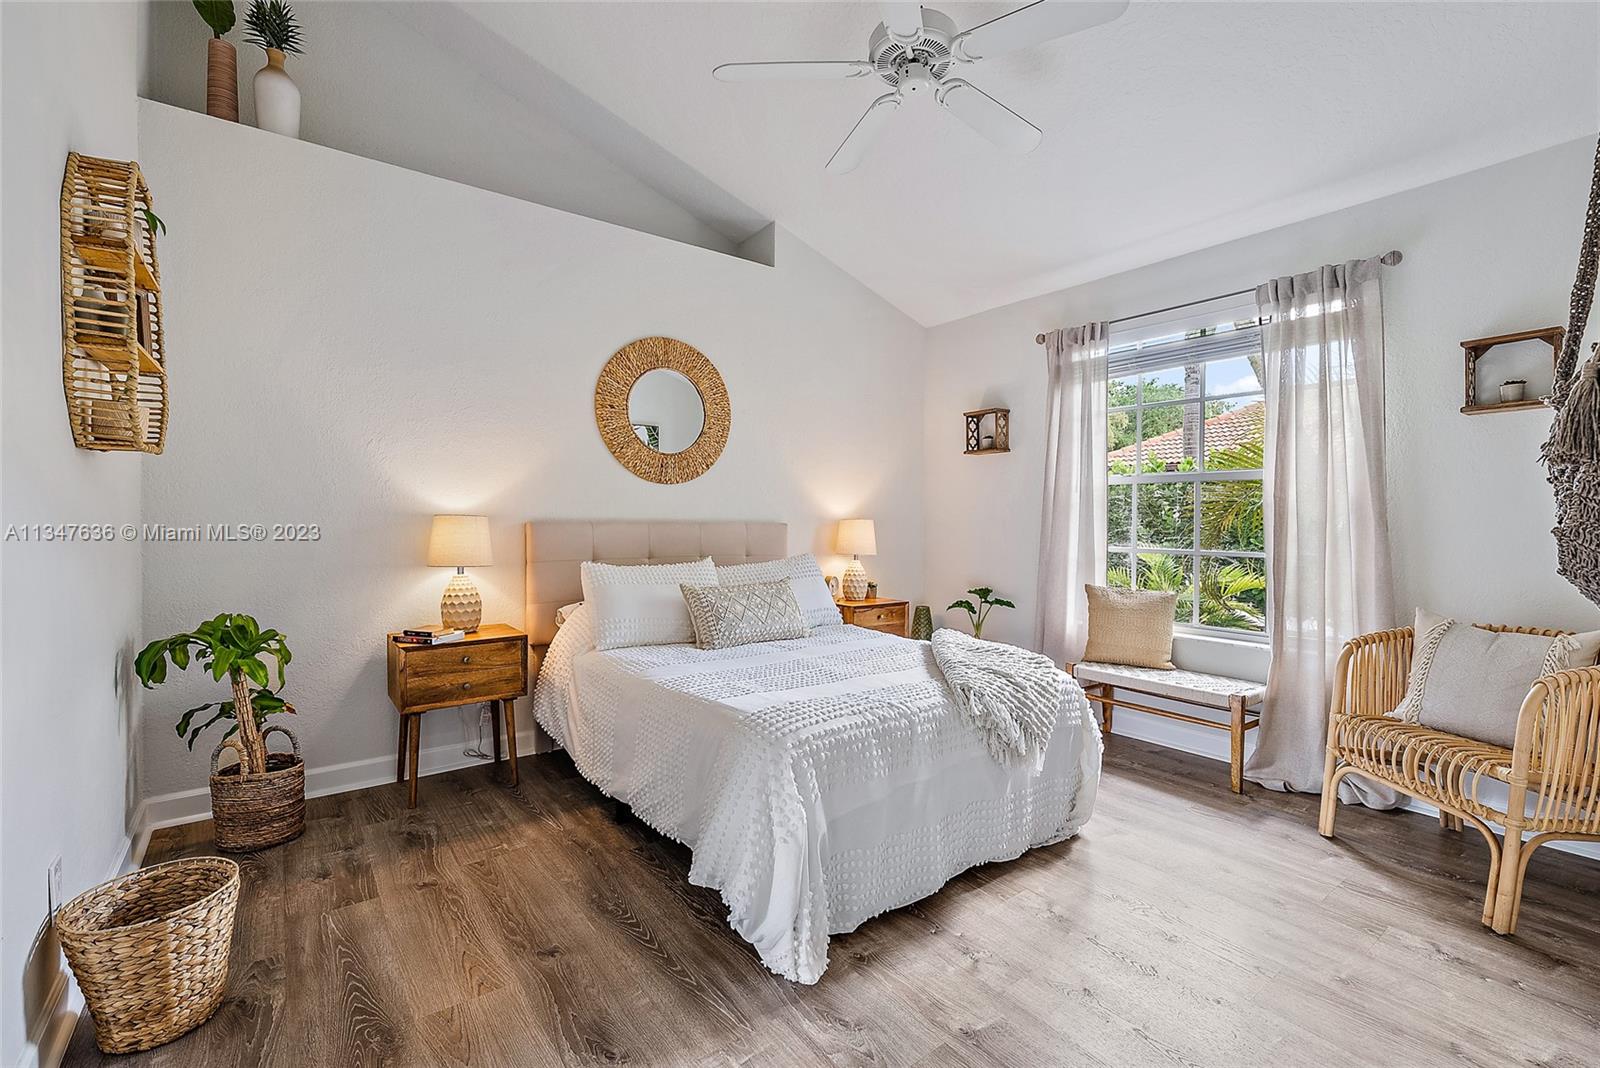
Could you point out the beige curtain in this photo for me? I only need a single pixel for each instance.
(1326, 514)
(1072, 548)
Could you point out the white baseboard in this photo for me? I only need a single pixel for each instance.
(192, 806)
(1213, 745)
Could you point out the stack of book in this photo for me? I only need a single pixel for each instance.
(437, 634)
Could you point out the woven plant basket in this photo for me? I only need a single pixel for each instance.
(150, 950)
(257, 811)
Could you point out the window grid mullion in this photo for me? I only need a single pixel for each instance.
(1194, 504)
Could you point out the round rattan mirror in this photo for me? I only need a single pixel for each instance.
(662, 410)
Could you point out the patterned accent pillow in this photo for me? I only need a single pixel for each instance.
(639, 604)
(1469, 681)
(803, 573)
(725, 616)
(1132, 627)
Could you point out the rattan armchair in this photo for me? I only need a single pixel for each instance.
(1552, 772)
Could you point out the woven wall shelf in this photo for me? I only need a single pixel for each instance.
(113, 361)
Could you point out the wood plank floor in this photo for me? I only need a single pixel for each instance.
(1186, 926)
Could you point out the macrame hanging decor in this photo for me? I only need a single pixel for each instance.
(1572, 455)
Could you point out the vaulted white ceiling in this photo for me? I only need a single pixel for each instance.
(1176, 127)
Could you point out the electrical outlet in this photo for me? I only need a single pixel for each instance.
(54, 875)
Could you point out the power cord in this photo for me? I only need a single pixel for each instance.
(476, 751)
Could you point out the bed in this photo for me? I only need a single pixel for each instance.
(817, 781)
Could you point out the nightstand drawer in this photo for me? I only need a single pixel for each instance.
(431, 661)
(885, 618)
(459, 673)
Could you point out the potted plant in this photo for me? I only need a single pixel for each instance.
(259, 801)
(272, 25)
(979, 612)
(1512, 389)
(222, 61)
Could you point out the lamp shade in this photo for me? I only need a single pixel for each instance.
(857, 537)
(459, 541)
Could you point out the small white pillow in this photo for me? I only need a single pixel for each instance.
(1469, 681)
(641, 604)
(803, 573)
(565, 612)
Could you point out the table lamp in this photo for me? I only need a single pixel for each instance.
(460, 541)
(856, 537)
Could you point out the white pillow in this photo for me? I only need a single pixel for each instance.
(642, 604)
(803, 573)
(1469, 681)
(566, 611)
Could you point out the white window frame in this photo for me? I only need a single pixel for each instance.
(1196, 478)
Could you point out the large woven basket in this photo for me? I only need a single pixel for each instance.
(150, 950)
(257, 811)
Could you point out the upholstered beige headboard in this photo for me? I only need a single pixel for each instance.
(553, 549)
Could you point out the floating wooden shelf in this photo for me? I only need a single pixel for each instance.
(998, 426)
(113, 360)
(1475, 350)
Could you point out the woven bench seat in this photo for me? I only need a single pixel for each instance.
(1235, 696)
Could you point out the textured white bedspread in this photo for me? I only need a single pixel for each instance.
(818, 782)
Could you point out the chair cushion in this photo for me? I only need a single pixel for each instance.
(1469, 681)
(1131, 627)
(1197, 688)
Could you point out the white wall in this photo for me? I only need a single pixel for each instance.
(372, 84)
(1485, 253)
(407, 345)
(69, 612)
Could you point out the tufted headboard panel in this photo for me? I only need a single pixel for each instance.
(553, 549)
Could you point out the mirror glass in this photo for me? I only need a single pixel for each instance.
(665, 410)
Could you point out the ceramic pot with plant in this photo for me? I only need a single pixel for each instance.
(261, 800)
(222, 60)
(979, 612)
(1513, 389)
(271, 25)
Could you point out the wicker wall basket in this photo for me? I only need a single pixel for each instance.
(257, 811)
(150, 950)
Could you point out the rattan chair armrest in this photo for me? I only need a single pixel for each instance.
(1558, 734)
(1371, 675)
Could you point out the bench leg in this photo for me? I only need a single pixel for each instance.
(1236, 743)
(1105, 708)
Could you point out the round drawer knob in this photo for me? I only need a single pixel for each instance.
(466, 660)
(466, 685)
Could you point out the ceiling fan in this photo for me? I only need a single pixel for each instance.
(914, 49)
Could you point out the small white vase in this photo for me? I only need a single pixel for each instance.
(1511, 391)
(277, 97)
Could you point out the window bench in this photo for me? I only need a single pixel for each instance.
(1101, 682)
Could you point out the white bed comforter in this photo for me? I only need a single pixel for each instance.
(819, 781)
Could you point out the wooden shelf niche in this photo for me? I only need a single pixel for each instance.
(113, 362)
(1477, 348)
(988, 423)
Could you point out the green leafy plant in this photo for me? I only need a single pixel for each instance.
(272, 24)
(218, 14)
(152, 221)
(979, 612)
(233, 645)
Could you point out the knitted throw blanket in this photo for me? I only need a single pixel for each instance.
(1010, 696)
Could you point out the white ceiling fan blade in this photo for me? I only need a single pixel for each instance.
(992, 119)
(904, 20)
(820, 70)
(854, 148)
(1030, 25)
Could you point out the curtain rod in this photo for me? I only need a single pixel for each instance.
(1389, 259)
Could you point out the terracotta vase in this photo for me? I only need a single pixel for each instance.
(277, 97)
(222, 80)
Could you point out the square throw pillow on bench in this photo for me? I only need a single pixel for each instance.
(1470, 681)
(1132, 627)
(726, 616)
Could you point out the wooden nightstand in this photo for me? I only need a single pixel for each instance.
(490, 664)
(878, 613)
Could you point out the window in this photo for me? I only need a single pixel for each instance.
(1186, 441)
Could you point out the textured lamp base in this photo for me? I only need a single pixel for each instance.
(461, 606)
(855, 582)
